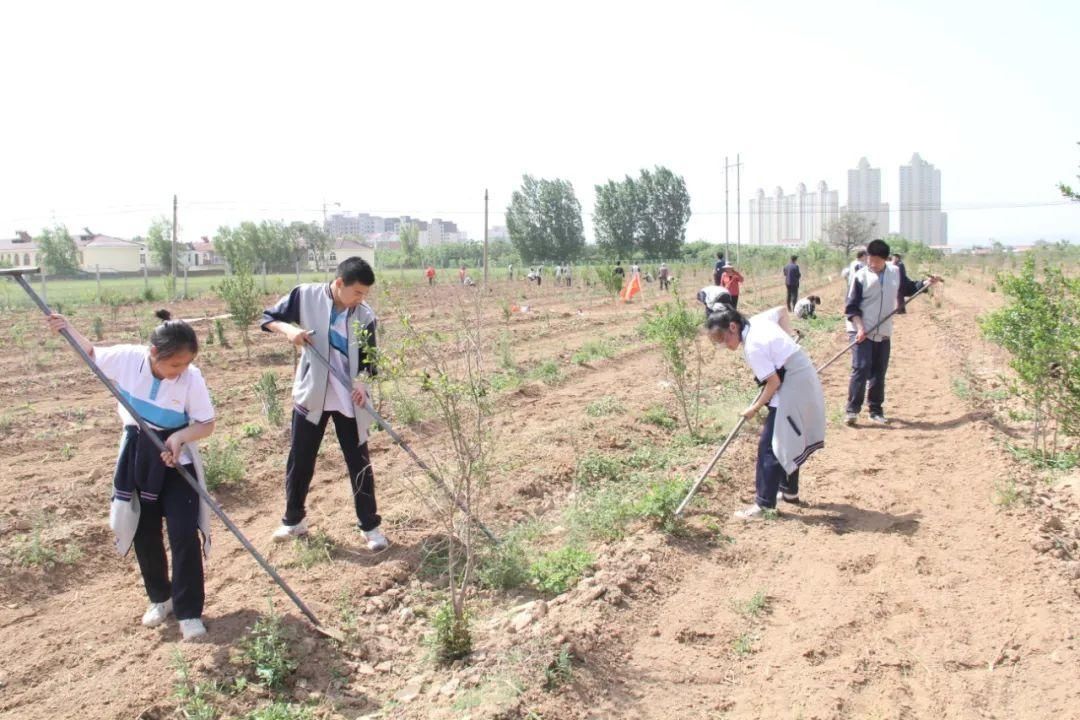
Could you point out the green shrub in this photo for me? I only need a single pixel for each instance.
(279, 710)
(242, 300)
(559, 671)
(252, 430)
(557, 571)
(593, 350)
(602, 514)
(196, 700)
(269, 394)
(503, 566)
(265, 652)
(659, 416)
(452, 639)
(548, 372)
(219, 330)
(606, 405)
(594, 468)
(98, 328)
(313, 549)
(660, 502)
(222, 464)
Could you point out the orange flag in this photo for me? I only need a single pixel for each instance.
(631, 288)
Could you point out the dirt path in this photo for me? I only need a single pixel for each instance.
(901, 591)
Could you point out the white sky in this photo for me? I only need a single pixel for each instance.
(265, 110)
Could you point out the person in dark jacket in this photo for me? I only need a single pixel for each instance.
(792, 275)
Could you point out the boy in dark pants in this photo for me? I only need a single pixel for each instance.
(334, 319)
(872, 296)
(792, 275)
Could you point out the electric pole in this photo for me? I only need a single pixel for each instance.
(727, 224)
(738, 208)
(485, 237)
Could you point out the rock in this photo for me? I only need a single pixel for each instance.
(521, 621)
(539, 610)
(450, 687)
(365, 669)
(1042, 546)
(411, 690)
(384, 667)
(1072, 570)
(382, 629)
(524, 607)
(94, 474)
(595, 594)
(406, 615)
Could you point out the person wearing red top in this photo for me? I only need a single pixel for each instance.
(430, 275)
(461, 275)
(731, 280)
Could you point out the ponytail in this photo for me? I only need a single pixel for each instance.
(722, 319)
(173, 336)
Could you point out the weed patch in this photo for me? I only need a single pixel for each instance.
(452, 639)
(593, 350)
(547, 372)
(266, 653)
(222, 464)
(313, 549)
(557, 571)
(606, 405)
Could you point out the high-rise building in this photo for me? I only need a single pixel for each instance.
(347, 224)
(921, 218)
(864, 197)
(796, 219)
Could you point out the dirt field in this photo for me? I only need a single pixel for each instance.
(930, 574)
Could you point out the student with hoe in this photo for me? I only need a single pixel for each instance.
(336, 321)
(795, 426)
(170, 394)
(872, 296)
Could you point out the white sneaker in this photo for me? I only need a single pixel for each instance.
(851, 418)
(192, 628)
(754, 512)
(288, 532)
(156, 613)
(879, 419)
(375, 539)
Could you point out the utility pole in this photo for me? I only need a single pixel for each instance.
(727, 224)
(738, 208)
(485, 237)
(173, 246)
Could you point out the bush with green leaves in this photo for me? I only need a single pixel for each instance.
(1040, 326)
(219, 330)
(503, 565)
(606, 405)
(268, 392)
(560, 670)
(222, 463)
(280, 710)
(675, 328)
(98, 328)
(593, 468)
(452, 639)
(242, 300)
(660, 502)
(593, 350)
(196, 699)
(659, 416)
(265, 651)
(557, 571)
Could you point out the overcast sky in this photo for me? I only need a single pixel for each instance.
(266, 110)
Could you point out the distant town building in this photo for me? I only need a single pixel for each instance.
(498, 232)
(864, 197)
(793, 220)
(111, 254)
(921, 218)
(348, 224)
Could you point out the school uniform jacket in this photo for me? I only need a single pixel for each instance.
(309, 306)
(873, 295)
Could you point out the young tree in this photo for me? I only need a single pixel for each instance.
(409, 234)
(159, 243)
(242, 300)
(307, 238)
(544, 220)
(57, 250)
(849, 231)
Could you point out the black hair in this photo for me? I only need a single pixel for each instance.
(794, 258)
(896, 255)
(814, 299)
(878, 248)
(722, 319)
(356, 270)
(861, 253)
(719, 256)
(173, 336)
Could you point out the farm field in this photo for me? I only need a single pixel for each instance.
(932, 572)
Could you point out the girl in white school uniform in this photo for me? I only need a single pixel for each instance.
(795, 426)
(170, 394)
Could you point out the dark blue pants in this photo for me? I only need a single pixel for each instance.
(869, 363)
(306, 439)
(178, 504)
(792, 296)
(771, 476)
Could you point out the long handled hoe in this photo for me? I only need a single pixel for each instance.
(370, 410)
(742, 420)
(17, 275)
